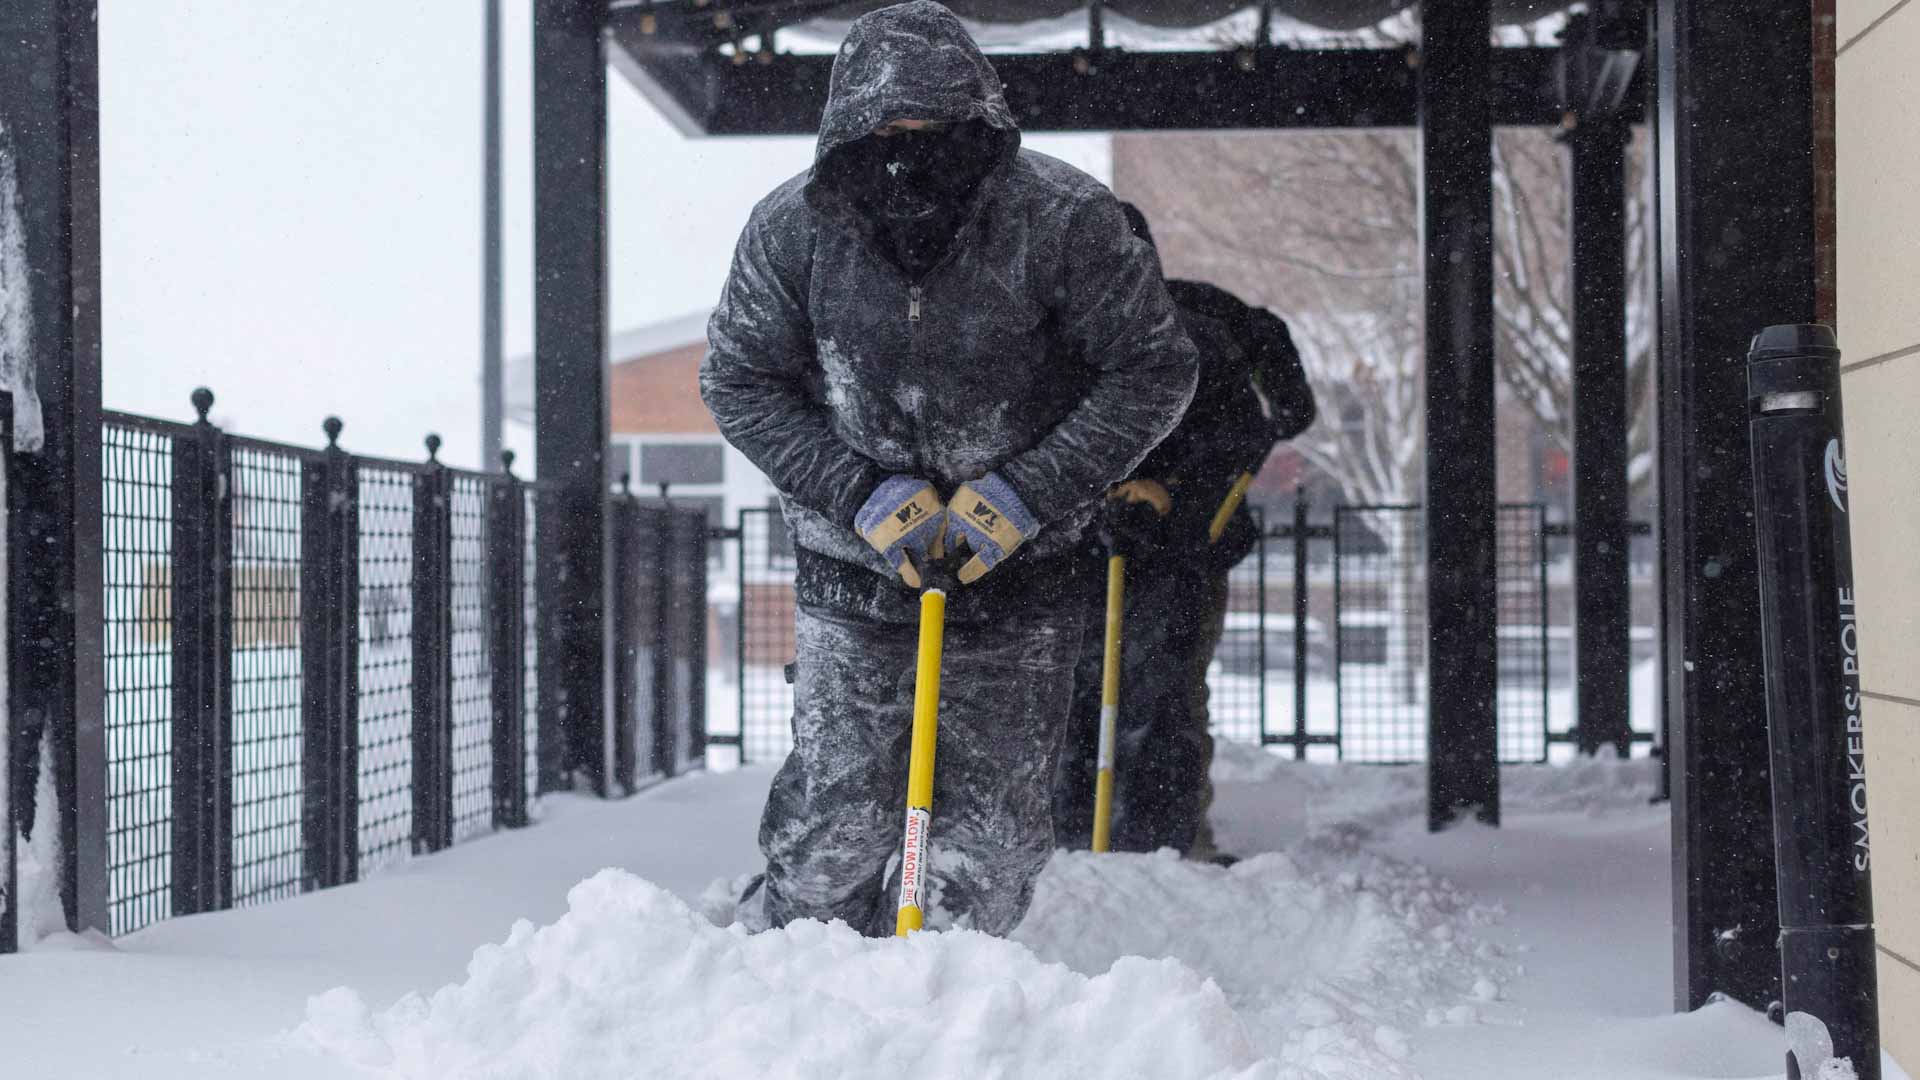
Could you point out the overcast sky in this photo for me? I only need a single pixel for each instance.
(291, 203)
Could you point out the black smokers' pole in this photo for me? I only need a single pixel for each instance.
(1808, 605)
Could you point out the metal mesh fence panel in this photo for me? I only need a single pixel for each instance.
(530, 659)
(1644, 635)
(1245, 682)
(266, 673)
(137, 531)
(1521, 571)
(1380, 630)
(472, 701)
(386, 666)
(1643, 556)
(766, 636)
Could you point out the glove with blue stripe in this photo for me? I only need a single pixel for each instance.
(903, 516)
(990, 519)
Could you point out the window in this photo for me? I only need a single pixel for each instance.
(619, 464)
(681, 463)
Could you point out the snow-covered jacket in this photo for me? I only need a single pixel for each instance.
(1253, 393)
(1042, 346)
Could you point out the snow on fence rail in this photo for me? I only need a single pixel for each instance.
(318, 664)
(9, 885)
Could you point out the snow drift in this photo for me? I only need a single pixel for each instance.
(1310, 965)
(1331, 955)
(633, 982)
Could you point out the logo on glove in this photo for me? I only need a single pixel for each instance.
(984, 516)
(909, 514)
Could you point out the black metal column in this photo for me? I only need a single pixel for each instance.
(330, 659)
(202, 609)
(1736, 194)
(49, 112)
(632, 591)
(506, 647)
(433, 655)
(1456, 155)
(1602, 628)
(570, 373)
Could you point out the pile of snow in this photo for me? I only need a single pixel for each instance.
(1321, 961)
(1332, 957)
(1127, 965)
(632, 981)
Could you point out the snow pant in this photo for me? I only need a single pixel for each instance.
(1174, 618)
(832, 827)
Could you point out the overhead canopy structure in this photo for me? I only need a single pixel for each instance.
(751, 67)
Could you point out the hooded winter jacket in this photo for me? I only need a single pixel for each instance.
(1042, 344)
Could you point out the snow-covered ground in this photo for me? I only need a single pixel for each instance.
(1348, 944)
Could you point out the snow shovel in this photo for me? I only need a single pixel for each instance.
(936, 578)
(1115, 530)
(1109, 697)
(1238, 493)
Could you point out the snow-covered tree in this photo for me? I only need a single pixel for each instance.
(1324, 227)
(1532, 309)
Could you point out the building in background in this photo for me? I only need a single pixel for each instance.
(661, 430)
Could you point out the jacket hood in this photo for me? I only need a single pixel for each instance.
(910, 61)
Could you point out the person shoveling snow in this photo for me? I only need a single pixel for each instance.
(933, 339)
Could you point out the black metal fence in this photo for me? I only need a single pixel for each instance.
(763, 644)
(660, 620)
(1323, 649)
(318, 664)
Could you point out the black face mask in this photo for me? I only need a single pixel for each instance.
(913, 176)
(914, 186)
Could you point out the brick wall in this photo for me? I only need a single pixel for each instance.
(660, 394)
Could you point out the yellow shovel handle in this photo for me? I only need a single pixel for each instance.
(1109, 703)
(1218, 527)
(926, 721)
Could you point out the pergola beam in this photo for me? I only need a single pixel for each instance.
(704, 93)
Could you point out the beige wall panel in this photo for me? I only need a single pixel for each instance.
(1878, 121)
(1853, 16)
(1893, 814)
(1899, 1009)
(1883, 462)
